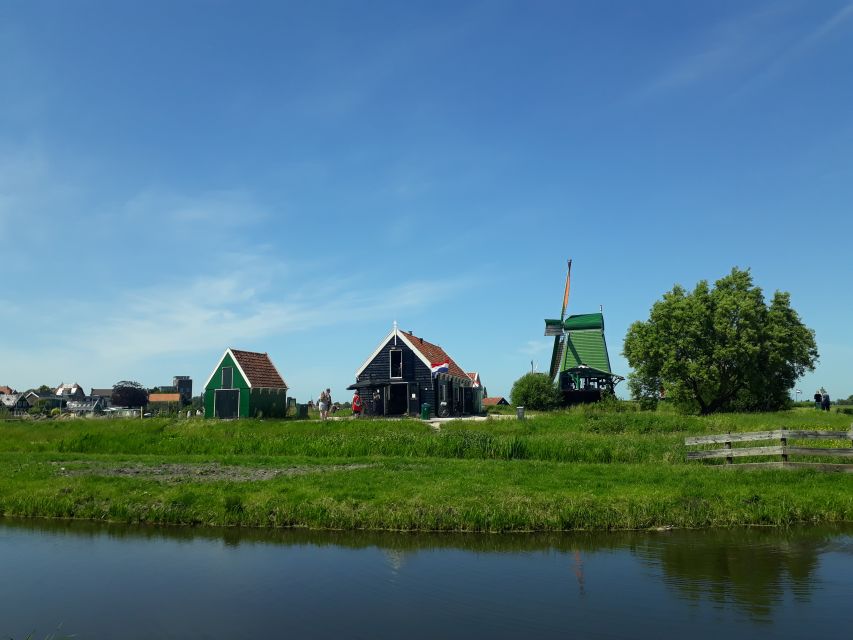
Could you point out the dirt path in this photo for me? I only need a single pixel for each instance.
(206, 472)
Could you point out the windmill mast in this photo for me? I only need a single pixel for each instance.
(566, 294)
(560, 334)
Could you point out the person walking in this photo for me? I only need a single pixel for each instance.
(356, 404)
(818, 400)
(324, 402)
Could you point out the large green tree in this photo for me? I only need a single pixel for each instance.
(720, 349)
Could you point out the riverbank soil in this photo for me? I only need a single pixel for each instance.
(586, 468)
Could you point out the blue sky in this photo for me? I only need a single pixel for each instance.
(180, 177)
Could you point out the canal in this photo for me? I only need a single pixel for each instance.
(84, 580)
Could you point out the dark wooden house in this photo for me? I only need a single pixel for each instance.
(405, 372)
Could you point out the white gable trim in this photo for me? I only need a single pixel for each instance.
(395, 333)
(376, 352)
(417, 351)
(236, 363)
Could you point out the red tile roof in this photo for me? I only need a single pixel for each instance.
(490, 402)
(436, 355)
(164, 397)
(259, 369)
(6, 390)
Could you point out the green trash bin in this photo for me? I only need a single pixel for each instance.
(425, 407)
(301, 411)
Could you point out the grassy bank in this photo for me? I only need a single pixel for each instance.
(581, 469)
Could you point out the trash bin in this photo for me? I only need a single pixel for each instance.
(519, 413)
(301, 411)
(425, 407)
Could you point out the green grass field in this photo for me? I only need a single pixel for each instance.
(587, 468)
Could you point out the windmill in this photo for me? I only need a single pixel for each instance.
(580, 364)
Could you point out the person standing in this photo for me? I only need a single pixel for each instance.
(818, 400)
(356, 404)
(824, 401)
(377, 403)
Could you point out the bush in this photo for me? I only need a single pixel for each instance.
(55, 412)
(535, 391)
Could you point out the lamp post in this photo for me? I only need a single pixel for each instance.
(797, 393)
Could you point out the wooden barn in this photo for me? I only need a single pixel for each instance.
(245, 384)
(405, 372)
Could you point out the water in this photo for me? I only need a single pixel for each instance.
(95, 581)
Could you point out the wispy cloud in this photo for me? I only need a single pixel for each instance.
(204, 314)
(747, 50)
(535, 347)
(806, 43)
(217, 208)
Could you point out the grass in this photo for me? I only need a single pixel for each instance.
(585, 468)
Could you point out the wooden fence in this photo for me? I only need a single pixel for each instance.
(782, 449)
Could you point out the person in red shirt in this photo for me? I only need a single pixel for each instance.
(356, 404)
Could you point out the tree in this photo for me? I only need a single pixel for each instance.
(721, 348)
(129, 394)
(535, 391)
(45, 389)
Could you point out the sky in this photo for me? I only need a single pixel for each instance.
(181, 177)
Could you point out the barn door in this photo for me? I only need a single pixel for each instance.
(227, 403)
(467, 400)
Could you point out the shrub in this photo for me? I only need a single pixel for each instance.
(535, 391)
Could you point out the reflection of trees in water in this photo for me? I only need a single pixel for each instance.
(747, 568)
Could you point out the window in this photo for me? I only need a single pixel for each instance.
(227, 377)
(396, 363)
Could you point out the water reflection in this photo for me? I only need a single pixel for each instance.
(136, 581)
(750, 569)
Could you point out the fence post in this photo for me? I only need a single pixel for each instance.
(784, 441)
(729, 459)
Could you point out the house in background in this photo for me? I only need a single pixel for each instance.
(105, 395)
(495, 401)
(87, 406)
(164, 402)
(6, 391)
(45, 399)
(15, 403)
(408, 371)
(245, 384)
(70, 391)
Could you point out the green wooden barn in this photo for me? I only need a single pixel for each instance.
(245, 384)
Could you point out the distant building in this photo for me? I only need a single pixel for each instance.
(7, 391)
(106, 396)
(495, 401)
(70, 391)
(14, 402)
(87, 406)
(184, 386)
